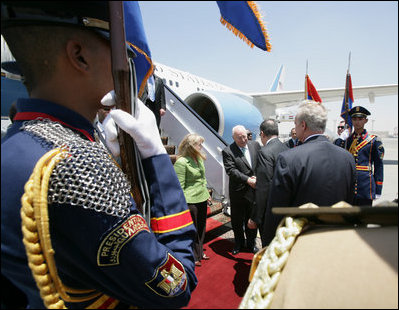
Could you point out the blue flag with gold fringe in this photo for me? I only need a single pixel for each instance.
(244, 19)
(137, 39)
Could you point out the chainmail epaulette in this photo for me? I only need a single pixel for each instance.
(87, 177)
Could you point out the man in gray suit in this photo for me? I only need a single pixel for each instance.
(267, 158)
(239, 159)
(316, 171)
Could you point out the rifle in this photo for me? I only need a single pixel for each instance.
(125, 86)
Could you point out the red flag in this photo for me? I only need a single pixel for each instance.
(310, 90)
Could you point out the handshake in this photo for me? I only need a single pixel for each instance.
(142, 128)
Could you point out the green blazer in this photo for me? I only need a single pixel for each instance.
(192, 179)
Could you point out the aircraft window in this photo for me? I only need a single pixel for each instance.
(170, 83)
(177, 84)
(198, 89)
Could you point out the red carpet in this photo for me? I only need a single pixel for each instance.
(222, 280)
(212, 224)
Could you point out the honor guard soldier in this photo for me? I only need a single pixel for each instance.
(368, 152)
(83, 242)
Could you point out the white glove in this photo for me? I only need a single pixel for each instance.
(111, 135)
(345, 134)
(142, 128)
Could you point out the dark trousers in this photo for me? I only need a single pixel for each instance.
(241, 210)
(268, 227)
(198, 214)
(155, 109)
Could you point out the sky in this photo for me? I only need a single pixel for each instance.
(188, 36)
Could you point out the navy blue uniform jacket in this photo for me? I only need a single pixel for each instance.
(145, 259)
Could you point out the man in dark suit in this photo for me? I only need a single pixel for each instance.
(316, 171)
(239, 160)
(293, 141)
(267, 157)
(154, 97)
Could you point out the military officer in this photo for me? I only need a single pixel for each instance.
(85, 240)
(368, 152)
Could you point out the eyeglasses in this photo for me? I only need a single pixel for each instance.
(340, 127)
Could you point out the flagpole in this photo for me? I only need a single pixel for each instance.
(349, 62)
(306, 81)
(347, 97)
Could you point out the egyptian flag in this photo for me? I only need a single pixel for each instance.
(348, 100)
(310, 90)
(244, 19)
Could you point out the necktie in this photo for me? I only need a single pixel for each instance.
(246, 154)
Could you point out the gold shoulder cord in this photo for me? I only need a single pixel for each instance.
(267, 264)
(37, 240)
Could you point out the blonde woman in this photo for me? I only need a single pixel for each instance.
(190, 171)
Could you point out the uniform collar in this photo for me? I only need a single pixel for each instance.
(30, 109)
(363, 135)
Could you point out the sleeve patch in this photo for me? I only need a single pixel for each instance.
(110, 247)
(170, 279)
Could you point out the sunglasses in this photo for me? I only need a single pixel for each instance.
(340, 127)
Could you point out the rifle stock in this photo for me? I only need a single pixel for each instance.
(121, 76)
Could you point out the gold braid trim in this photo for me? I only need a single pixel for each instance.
(266, 267)
(37, 239)
(35, 229)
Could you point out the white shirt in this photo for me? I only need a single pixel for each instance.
(151, 88)
(317, 134)
(245, 151)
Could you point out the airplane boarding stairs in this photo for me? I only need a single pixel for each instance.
(179, 120)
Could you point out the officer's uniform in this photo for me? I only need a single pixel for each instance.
(368, 152)
(339, 142)
(105, 254)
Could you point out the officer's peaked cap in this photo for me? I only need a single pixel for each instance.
(93, 14)
(359, 111)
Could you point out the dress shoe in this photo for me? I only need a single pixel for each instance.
(235, 251)
(198, 263)
(205, 257)
(254, 249)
